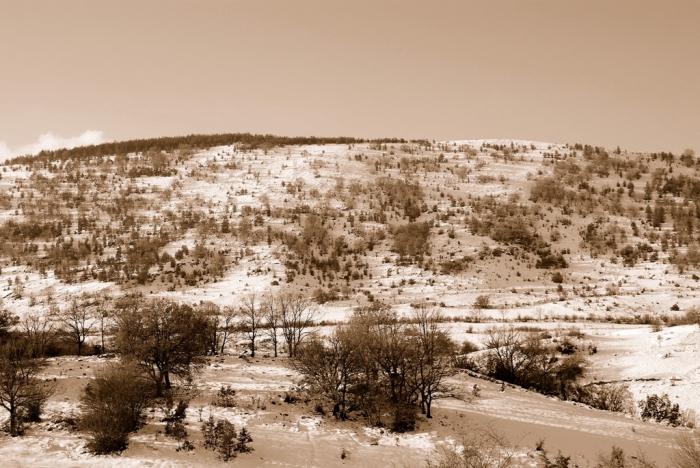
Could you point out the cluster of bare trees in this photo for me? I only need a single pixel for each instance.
(282, 318)
(530, 358)
(379, 364)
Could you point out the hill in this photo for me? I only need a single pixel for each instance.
(508, 232)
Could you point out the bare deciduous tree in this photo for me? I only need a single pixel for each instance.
(226, 326)
(297, 317)
(22, 390)
(103, 314)
(252, 318)
(330, 367)
(39, 332)
(76, 322)
(272, 319)
(210, 313)
(434, 350)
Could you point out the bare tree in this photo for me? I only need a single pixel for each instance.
(22, 390)
(103, 314)
(39, 332)
(252, 315)
(297, 317)
(226, 325)
(210, 312)
(75, 323)
(434, 350)
(272, 319)
(506, 345)
(391, 347)
(330, 367)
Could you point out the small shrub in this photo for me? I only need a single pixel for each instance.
(112, 406)
(559, 461)
(608, 397)
(687, 451)
(482, 301)
(660, 409)
(567, 347)
(468, 347)
(404, 418)
(689, 418)
(226, 397)
(221, 436)
(177, 430)
(481, 447)
(617, 458)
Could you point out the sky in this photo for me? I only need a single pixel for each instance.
(600, 72)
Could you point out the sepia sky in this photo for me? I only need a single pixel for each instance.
(603, 72)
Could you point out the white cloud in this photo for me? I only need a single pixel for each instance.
(5, 151)
(49, 141)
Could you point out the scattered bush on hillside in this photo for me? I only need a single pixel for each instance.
(526, 359)
(469, 347)
(225, 397)
(451, 267)
(479, 447)
(411, 241)
(608, 397)
(660, 409)
(221, 436)
(617, 458)
(482, 301)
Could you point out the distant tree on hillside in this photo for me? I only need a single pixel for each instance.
(411, 241)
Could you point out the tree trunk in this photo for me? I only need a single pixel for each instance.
(428, 403)
(13, 421)
(224, 338)
(159, 385)
(252, 347)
